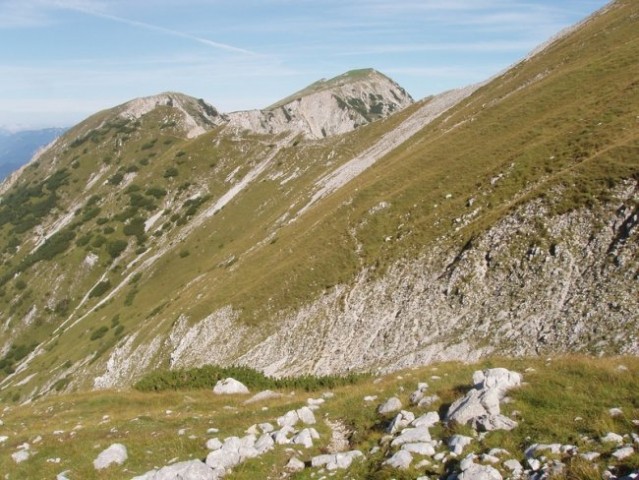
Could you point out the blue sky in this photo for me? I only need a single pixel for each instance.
(62, 60)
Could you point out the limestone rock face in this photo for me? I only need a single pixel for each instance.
(328, 107)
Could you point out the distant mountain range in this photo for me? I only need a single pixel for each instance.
(17, 148)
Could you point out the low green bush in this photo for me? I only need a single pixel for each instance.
(206, 377)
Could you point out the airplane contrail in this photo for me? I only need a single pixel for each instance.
(82, 8)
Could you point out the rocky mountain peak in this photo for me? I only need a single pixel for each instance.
(329, 107)
(195, 115)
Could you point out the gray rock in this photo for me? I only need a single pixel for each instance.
(289, 419)
(481, 404)
(336, 460)
(264, 443)
(457, 443)
(306, 415)
(421, 448)
(499, 379)
(612, 438)
(615, 412)
(230, 386)
(488, 423)
(534, 464)
(412, 435)
(223, 459)
(400, 460)
(303, 438)
(391, 405)
(418, 394)
(191, 470)
(281, 436)
(514, 466)
(427, 420)
(623, 453)
(213, 444)
(295, 465)
(266, 427)
(480, 472)
(401, 421)
(116, 454)
(20, 456)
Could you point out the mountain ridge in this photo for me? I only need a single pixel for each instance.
(422, 235)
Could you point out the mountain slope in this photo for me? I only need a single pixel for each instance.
(498, 218)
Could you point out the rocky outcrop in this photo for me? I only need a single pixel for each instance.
(328, 107)
(480, 406)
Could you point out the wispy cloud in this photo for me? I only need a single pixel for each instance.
(32, 13)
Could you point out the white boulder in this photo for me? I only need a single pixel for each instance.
(412, 435)
(230, 386)
(400, 460)
(192, 469)
(391, 405)
(480, 472)
(116, 454)
(295, 465)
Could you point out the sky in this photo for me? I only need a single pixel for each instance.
(62, 60)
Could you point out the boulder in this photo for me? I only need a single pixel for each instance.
(213, 444)
(230, 386)
(116, 454)
(192, 469)
(289, 419)
(623, 453)
(611, 437)
(295, 465)
(401, 460)
(264, 443)
(427, 420)
(412, 435)
(480, 406)
(488, 423)
(391, 405)
(457, 443)
(422, 448)
(223, 459)
(303, 438)
(480, 472)
(306, 415)
(499, 379)
(514, 466)
(336, 460)
(401, 421)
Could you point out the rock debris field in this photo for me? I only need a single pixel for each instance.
(407, 444)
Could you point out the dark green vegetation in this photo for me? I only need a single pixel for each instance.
(209, 375)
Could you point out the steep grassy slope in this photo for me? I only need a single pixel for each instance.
(564, 401)
(160, 235)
